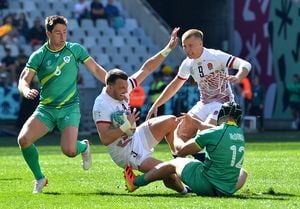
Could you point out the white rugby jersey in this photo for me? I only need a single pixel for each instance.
(103, 108)
(209, 71)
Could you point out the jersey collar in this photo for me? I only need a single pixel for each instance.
(231, 123)
(55, 50)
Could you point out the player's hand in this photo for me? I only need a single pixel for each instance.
(233, 79)
(187, 117)
(133, 116)
(174, 39)
(31, 94)
(152, 111)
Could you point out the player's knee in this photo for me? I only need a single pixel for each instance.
(69, 152)
(172, 122)
(24, 141)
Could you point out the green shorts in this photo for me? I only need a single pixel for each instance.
(192, 175)
(63, 117)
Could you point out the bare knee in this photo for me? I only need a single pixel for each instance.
(70, 152)
(24, 141)
(172, 122)
(185, 131)
(162, 125)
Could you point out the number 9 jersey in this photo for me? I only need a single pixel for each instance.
(210, 71)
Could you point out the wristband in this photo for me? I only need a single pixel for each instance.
(165, 52)
(126, 125)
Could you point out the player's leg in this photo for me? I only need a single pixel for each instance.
(242, 179)
(68, 141)
(185, 130)
(32, 130)
(143, 142)
(207, 113)
(71, 147)
(163, 127)
(157, 170)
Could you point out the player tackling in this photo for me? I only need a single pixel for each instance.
(221, 174)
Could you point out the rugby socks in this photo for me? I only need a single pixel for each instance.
(31, 157)
(81, 147)
(140, 181)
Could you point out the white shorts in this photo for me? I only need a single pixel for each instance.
(139, 148)
(205, 112)
(142, 145)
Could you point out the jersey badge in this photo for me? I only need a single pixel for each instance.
(67, 59)
(210, 66)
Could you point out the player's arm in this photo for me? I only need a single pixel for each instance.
(243, 68)
(97, 70)
(188, 148)
(24, 84)
(152, 63)
(167, 93)
(107, 133)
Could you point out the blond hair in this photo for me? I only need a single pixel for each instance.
(192, 33)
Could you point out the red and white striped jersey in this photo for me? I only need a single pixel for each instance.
(209, 71)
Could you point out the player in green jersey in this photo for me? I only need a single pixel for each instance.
(221, 174)
(56, 66)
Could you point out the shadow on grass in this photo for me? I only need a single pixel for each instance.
(10, 179)
(101, 193)
(256, 196)
(270, 194)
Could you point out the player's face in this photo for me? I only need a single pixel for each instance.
(58, 36)
(119, 89)
(193, 47)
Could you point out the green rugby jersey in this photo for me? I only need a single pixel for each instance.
(225, 145)
(57, 72)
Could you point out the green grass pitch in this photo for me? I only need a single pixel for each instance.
(273, 182)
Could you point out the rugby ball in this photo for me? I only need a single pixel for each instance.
(118, 119)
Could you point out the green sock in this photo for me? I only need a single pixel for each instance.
(31, 157)
(140, 181)
(81, 147)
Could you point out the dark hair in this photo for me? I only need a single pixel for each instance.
(51, 21)
(231, 109)
(115, 74)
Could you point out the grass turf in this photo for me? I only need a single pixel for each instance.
(273, 182)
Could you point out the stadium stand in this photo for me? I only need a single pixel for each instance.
(127, 47)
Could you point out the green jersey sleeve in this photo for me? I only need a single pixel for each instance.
(79, 51)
